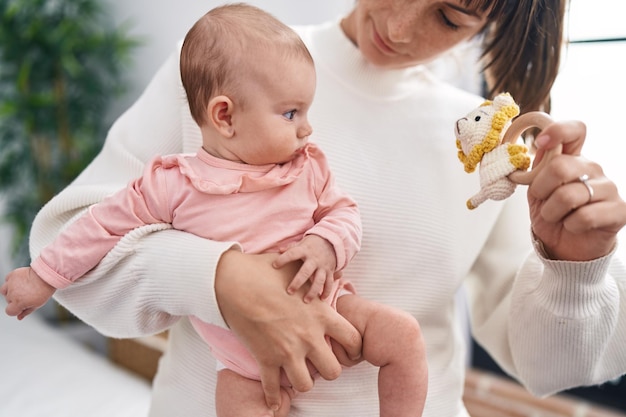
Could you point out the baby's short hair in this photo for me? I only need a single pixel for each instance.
(221, 47)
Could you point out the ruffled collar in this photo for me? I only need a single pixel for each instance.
(213, 175)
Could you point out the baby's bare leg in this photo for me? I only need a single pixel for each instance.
(392, 340)
(238, 396)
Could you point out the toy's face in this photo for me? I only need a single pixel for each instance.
(473, 128)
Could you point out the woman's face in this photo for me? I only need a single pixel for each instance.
(403, 33)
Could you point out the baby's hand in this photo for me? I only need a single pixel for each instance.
(318, 265)
(25, 292)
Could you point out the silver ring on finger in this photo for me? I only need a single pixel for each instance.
(584, 180)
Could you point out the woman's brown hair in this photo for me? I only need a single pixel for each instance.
(522, 48)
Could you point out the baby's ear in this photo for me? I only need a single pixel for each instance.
(219, 113)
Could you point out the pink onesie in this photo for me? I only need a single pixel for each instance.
(263, 207)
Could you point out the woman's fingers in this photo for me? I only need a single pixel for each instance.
(571, 134)
(270, 381)
(343, 332)
(561, 182)
(576, 210)
(572, 196)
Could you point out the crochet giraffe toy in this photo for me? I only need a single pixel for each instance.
(487, 137)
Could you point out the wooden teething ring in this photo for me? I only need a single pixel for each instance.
(520, 125)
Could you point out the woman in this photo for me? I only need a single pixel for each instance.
(550, 315)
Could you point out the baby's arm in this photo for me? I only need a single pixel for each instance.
(25, 292)
(79, 247)
(334, 239)
(84, 243)
(318, 265)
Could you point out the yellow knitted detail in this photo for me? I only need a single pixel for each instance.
(518, 156)
(470, 205)
(492, 139)
(460, 152)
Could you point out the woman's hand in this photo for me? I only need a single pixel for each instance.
(573, 221)
(280, 330)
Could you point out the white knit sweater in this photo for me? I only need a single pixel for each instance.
(390, 141)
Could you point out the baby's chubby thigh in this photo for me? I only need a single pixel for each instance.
(389, 334)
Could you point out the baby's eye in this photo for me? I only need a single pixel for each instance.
(290, 114)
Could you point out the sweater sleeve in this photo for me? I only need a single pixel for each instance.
(564, 323)
(141, 293)
(83, 244)
(337, 217)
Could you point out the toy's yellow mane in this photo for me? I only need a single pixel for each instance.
(492, 138)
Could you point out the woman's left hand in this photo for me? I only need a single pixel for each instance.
(577, 219)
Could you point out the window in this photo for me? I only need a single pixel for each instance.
(592, 83)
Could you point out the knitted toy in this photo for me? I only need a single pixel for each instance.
(486, 136)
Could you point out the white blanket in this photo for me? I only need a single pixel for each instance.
(46, 374)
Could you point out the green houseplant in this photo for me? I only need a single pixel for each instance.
(61, 64)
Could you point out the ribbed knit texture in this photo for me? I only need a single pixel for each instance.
(389, 138)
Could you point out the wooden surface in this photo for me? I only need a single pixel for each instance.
(489, 395)
(140, 355)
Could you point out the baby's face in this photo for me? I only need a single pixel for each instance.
(272, 125)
